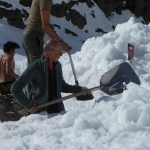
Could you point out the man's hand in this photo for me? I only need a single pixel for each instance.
(65, 47)
(87, 91)
(33, 109)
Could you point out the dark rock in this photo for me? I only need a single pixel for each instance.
(93, 15)
(109, 6)
(139, 7)
(59, 10)
(55, 25)
(113, 27)
(100, 30)
(65, 10)
(26, 3)
(5, 4)
(25, 14)
(86, 31)
(14, 17)
(67, 31)
(89, 3)
(77, 19)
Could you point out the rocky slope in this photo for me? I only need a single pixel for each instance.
(15, 17)
(74, 23)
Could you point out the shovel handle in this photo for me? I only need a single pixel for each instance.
(24, 111)
(73, 69)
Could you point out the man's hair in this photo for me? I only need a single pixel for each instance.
(50, 45)
(8, 46)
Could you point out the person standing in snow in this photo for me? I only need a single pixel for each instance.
(7, 66)
(47, 72)
(33, 35)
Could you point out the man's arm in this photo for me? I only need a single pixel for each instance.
(10, 68)
(66, 88)
(17, 88)
(45, 17)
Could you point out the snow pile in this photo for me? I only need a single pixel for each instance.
(107, 122)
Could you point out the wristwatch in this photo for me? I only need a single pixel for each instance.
(61, 41)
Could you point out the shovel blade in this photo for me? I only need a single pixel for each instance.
(85, 97)
(121, 74)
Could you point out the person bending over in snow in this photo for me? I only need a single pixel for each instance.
(7, 66)
(47, 72)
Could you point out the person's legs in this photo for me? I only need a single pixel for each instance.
(32, 42)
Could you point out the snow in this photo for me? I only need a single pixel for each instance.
(104, 123)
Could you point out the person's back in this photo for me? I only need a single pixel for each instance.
(5, 60)
(7, 64)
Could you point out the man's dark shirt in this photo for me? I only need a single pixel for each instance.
(52, 91)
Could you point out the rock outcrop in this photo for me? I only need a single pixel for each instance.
(15, 17)
(139, 7)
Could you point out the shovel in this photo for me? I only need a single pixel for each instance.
(106, 89)
(112, 82)
(81, 97)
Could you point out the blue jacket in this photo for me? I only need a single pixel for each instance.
(38, 71)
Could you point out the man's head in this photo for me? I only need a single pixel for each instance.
(10, 47)
(52, 50)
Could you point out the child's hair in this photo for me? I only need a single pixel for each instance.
(8, 46)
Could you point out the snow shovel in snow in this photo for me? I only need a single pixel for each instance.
(112, 82)
(81, 97)
(123, 74)
(25, 111)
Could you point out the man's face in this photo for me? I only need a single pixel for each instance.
(56, 54)
(13, 52)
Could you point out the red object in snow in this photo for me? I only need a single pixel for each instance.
(130, 52)
(130, 48)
